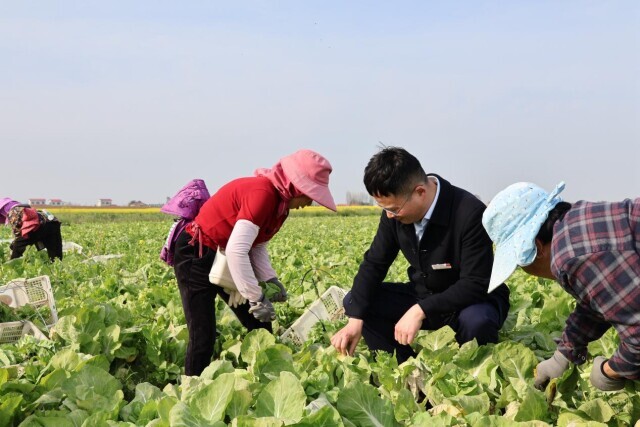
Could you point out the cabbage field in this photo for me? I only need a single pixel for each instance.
(117, 351)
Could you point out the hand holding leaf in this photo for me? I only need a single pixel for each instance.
(347, 338)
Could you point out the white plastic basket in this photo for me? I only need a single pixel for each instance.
(35, 292)
(328, 307)
(71, 247)
(11, 332)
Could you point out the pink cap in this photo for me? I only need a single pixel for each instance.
(309, 173)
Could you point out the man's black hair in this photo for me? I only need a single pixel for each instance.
(393, 171)
(556, 214)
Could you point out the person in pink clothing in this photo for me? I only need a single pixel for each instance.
(241, 218)
(31, 227)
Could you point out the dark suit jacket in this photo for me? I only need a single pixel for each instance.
(454, 235)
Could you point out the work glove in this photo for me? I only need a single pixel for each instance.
(263, 309)
(235, 298)
(280, 296)
(550, 368)
(600, 380)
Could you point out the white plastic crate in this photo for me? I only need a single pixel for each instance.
(327, 308)
(11, 332)
(35, 292)
(71, 247)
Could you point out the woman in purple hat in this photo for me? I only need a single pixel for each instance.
(31, 227)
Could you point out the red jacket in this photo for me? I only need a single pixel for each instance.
(253, 199)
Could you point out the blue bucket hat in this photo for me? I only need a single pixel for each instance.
(512, 220)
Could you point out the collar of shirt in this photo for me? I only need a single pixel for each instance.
(420, 226)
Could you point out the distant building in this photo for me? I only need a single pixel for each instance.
(37, 202)
(137, 204)
(104, 202)
(55, 202)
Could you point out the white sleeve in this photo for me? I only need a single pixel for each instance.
(237, 251)
(261, 264)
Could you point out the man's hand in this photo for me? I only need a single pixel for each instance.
(347, 338)
(280, 296)
(550, 368)
(408, 326)
(603, 377)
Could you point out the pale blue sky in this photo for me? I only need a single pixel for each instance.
(129, 100)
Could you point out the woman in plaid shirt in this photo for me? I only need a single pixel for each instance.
(593, 251)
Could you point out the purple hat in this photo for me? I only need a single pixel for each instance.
(188, 201)
(6, 204)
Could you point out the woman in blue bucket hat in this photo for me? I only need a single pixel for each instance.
(593, 251)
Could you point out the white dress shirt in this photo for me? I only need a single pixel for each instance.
(420, 226)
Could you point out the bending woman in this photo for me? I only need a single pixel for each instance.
(241, 218)
(31, 227)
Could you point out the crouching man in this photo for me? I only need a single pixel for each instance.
(438, 229)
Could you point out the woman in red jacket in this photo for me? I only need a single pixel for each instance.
(241, 218)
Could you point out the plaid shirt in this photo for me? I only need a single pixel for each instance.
(596, 258)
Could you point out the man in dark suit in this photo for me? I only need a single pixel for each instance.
(438, 228)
